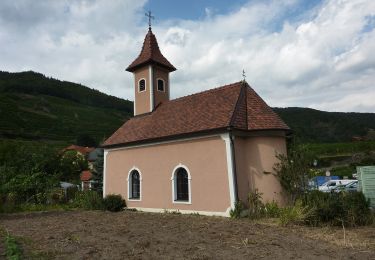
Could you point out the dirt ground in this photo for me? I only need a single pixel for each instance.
(137, 235)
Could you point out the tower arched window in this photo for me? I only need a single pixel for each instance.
(181, 185)
(134, 185)
(142, 85)
(161, 86)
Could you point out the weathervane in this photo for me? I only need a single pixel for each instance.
(148, 14)
(244, 75)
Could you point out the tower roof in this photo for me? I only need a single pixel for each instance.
(150, 54)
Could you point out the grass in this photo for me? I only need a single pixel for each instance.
(30, 207)
(13, 249)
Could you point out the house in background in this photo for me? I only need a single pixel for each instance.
(200, 153)
(91, 155)
(86, 180)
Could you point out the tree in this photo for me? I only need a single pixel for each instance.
(97, 174)
(294, 170)
(86, 140)
(71, 166)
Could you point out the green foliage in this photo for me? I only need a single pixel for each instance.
(70, 193)
(27, 174)
(255, 204)
(89, 200)
(296, 214)
(35, 83)
(86, 140)
(71, 166)
(236, 212)
(293, 170)
(314, 126)
(341, 149)
(97, 174)
(34, 107)
(271, 210)
(12, 248)
(114, 203)
(343, 171)
(343, 208)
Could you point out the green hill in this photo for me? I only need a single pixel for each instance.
(314, 126)
(35, 107)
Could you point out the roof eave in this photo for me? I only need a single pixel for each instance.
(150, 62)
(169, 138)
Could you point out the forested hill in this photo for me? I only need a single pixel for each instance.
(315, 126)
(30, 82)
(36, 107)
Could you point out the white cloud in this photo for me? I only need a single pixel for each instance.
(324, 59)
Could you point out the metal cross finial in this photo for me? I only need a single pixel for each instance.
(244, 75)
(148, 14)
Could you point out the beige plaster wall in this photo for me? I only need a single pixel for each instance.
(204, 158)
(142, 99)
(160, 96)
(255, 158)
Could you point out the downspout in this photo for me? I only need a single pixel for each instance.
(231, 138)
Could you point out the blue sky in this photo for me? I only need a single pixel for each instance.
(317, 54)
(198, 9)
(192, 10)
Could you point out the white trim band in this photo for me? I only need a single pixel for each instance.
(183, 211)
(105, 172)
(230, 164)
(174, 185)
(129, 179)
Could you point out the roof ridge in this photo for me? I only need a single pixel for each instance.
(207, 91)
(240, 103)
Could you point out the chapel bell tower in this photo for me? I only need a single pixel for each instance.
(151, 76)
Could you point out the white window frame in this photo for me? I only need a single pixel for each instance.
(174, 185)
(129, 180)
(157, 85)
(138, 86)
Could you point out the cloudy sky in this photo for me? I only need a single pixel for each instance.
(318, 54)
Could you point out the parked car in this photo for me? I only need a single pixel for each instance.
(350, 187)
(332, 184)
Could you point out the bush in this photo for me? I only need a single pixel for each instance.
(114, 203)
(255, 204)
(338, 208)
(271, 210)
(236, 212)
(296, 214)
(71, 193)
(89, 200)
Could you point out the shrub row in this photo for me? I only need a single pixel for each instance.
(91, 200)
(317, 208)
(338, 208)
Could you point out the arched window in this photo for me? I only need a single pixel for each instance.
(181, 185)
(134, 185)
(160, 85)
(142, 85)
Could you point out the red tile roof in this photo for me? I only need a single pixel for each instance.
(86, 176)
(81, 149)
(150, 54)
(234, 106)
